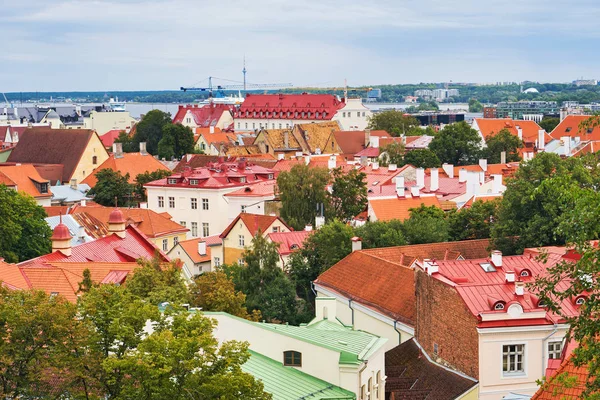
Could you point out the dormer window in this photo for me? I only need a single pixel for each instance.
(499, 306)
(487, 267)
(43, 188)
(525, 273)
(580, 300)
(172, 181)
(568, 129)
(292, 358)
(243, 179)
(270, 176)
(541, 304)
(294, 247)
(193, 181)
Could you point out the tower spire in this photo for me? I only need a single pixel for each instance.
(244, 72)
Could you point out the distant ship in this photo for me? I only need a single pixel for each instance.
(115, 105)
(220, 99)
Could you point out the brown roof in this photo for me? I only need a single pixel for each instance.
(52, 146)
(195, 161)
(410, 375)
(316, 134)
(131, 163)
(375, 282)
(350, 142)
(254, 223)
(276, 138)
(242, 150)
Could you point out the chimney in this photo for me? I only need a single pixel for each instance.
(308, 227)
(434, 183)
(509, 276)
(202, 248)
(319, 221)
(375, 142)
(567, 144)
(83, 202)
(520, 132)
(325, 308)
(481, 177)
(420, 178)
(392, 167)
(400, 186)
(81, 233)
(332, 162)
(415, 191)
(61, 239)
(448, 169)
(541, 139)
(497, 183)
(375, 166)
(280, 156)
(116, 223)
(144, 205)
(307, 160)
(497, 258)
(211, 129)
(143, 150)
(503, 157)
(367, 137)
(73, 184)
(118, 150)
(364, 161)
(519, 288)
(286, 139)
(430, 266)
(483, 164)
(462, 175)
(356, 243)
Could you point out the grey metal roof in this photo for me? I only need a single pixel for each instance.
(77, 231)
(68, 195)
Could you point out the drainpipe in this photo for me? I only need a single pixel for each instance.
(350, 307)
(399, 333)
(360, 377)
(544, 347)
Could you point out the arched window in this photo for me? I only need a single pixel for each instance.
(94, 160)
(292, 358)
(525, 272)
(580, 301)
(499, 306)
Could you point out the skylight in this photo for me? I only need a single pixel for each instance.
(487, 267)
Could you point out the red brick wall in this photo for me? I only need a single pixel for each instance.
(443, 318)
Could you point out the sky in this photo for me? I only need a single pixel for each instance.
(103, 45)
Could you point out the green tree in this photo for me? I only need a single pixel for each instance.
(394, 122)
(112, 186)
(146, 177)
(215, 291)
(177, 140)
(503, 141)
(457, 144)
(549, 123)
(393, 153)
(87, 283)
(422, 158)
(150, 130)
(302, 191)
(320, 251)
(24, 234)
(348, 196)
(426, 225)
(157, 282)
(129, 146)
(424, 106)
(475, 106)
(381, 234)
(474, 222)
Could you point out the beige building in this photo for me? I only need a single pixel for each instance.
(198, 255)
(104, 121)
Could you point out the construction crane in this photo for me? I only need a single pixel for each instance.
(236, 86)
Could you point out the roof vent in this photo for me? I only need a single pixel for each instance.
(487, 267)
(509, 276)
(430, 266)
(519, 288)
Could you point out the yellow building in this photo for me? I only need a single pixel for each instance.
(238, 235)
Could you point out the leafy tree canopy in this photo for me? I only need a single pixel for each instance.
(457, 144)
(177, 140)
(426, 225)
(348, 196)
(475, 106)
(392, 153)
(150, 130)
(503, 141)
(394, 122)
(110, 186)
(422, 158)
(549, 123)
(474, 222)
(146, 177)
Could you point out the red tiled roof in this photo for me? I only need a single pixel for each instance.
(301, 106)
(131, 163)
(204, 116)
(289, 241)
(491, 126)
(254, 223)
(556, 389)
(224, 137)
(109, 137)
(350, 142)
(375, 282)
(399, 208)
(371, 152)
(25, 177)
(570, 127)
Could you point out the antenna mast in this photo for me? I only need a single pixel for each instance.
(244, 72)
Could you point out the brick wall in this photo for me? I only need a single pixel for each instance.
(443, 319)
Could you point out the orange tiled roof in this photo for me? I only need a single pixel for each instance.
(221, 137)
(491, 126)
(25, 176)
(131, 163)
(254, 223)
(191, 249)
(555, 389)
(375, 282)
(5, 180)
(570, 127)
(399, 208)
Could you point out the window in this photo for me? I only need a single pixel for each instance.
(525, 272)
(344, 114)
(270, 176)
(292, 358)
(43, 188)
(171, 202)
(275, 229)
(246, 125)
(165, 244)
(499, 306)
(512, 359)
(568, 129)
(436, 349)
(363, 392)
(194, 229)
(243, 208)
(243, 179)
(182, 223)
(175, 241)
(161, 202)
(217, 261)
(241, 240)
(240, 261)
(363, 113)
(580, 301)
(205, 229)
(194, 181)
(239, 125)
(554, 350)
(94, 160)
(194, 202)
(172, 181)
(205, 204)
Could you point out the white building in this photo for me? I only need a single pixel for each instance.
(104, 121)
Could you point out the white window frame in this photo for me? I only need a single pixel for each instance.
(194, 229)
(161, 202)
(205, 229)
(553, 343)
(217, 261)
(241, 240)
(517, 374)
(165, 244)
(205, 204)
(171, 202)
(194, 203)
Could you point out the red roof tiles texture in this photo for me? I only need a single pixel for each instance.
(289, 106)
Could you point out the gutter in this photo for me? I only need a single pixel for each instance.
(544, 348)
(350, 307)
(399, 333)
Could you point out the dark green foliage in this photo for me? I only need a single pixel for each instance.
(113, 189)
(457, 144)
(426, 225)
(129, 146)
(142, 179)
(393, 153)
(422, 158)
(425, 106)
(549, 123)
(381, 234)
(474, 222)
(150, 130)
(394, 122)
(503, 141)
(348, 196)
(475, 106)
(177, 140)
(24, 234)
(157, 282)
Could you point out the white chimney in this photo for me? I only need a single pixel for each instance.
(280, 156)
(462, 175)
(118, 150)
(319, 222)
(211, 129)
(375, 142)
(415, 191)
(497, 183)
(448, 169)
(325, 308)
(82, 203)
(306, 160)
(73, 184)
(430, 266)
(400, 186)
(392, 167)
(502, 157)
(519, 288)
(483, 164)
(541, 139)
(143, 150)
(332, 162)
(356, 243)
(144, 205)
(567, 144)
(497, 258)
(81, 233)
(420, 177)
(367, 137)
(375, 166)
(435, 179)
(509, 276)
(202, 248)
(520, 132)
(481, 177)
(308, 227)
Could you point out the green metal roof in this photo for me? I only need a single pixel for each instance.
(287, 383)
